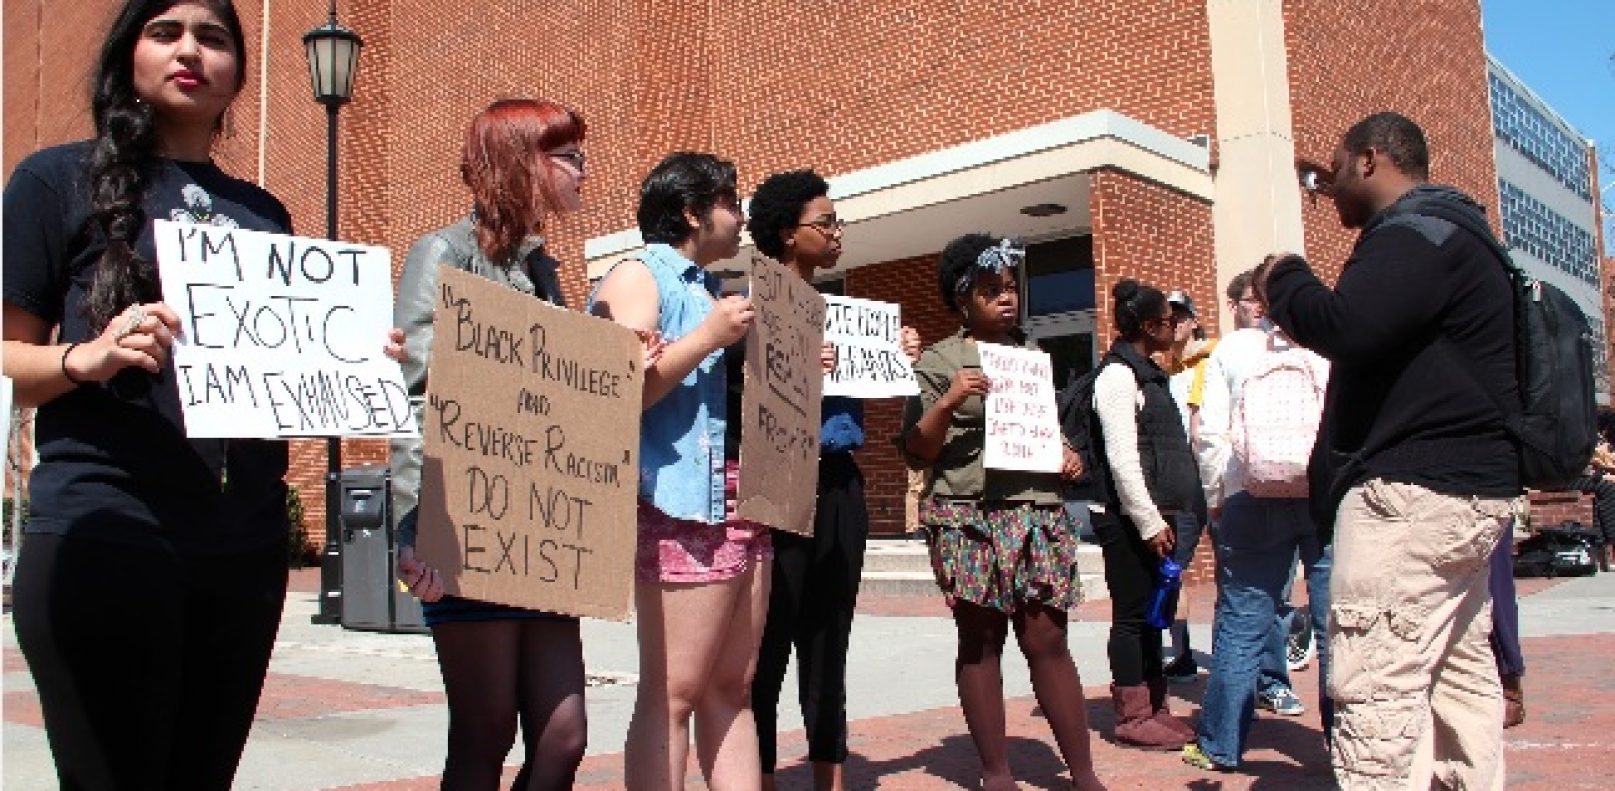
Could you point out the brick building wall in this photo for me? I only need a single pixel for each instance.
(1428, 62)
(868, 84)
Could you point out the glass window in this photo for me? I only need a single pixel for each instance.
(1059, 276)
(1546, 235)
(1519, 123)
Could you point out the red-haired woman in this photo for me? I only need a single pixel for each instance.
(522, 162)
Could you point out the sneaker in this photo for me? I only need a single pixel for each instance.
(1299, 648)
(1182, 670)
(1280, 701)
(1197, 758)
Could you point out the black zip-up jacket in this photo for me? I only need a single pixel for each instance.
(1420, 321)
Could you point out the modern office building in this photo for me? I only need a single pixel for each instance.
(1548, 202)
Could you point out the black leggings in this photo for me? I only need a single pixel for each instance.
(815, 590)
(1135, 646)
(498, 673)
(148, 664)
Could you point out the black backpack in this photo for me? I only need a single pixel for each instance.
(1556, 421)
(1078, 423)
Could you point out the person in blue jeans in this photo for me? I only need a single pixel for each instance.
(1257, 539)
(1256, 544)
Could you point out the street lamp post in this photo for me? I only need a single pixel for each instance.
(333, 52)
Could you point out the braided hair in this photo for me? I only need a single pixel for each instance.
(122, 157)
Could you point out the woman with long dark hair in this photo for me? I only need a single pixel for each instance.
(522, 162)
(1002, 546)
(1151, 479)
(149, 589)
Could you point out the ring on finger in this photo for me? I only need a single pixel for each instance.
(136, 317)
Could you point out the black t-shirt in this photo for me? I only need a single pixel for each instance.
(114, 461)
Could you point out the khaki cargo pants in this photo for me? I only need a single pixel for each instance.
(1418, 702)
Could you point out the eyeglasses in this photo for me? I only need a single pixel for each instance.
(574, 158)
(829, 226)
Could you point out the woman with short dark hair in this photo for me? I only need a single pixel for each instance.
(701, 573)
(815, 578)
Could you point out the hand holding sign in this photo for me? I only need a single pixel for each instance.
(872, 358)
(729, 321)
(278, 334)
(139, 337)
(779, 437)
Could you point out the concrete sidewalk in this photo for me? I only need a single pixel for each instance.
(349, 709)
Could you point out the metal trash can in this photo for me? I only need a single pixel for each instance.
(372, 598)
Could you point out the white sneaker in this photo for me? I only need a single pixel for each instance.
(1281, 701)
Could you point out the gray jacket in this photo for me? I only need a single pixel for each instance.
(529, 271)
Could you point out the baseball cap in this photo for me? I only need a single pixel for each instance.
(1181, 299)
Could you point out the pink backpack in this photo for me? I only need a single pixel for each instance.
(1275, 422)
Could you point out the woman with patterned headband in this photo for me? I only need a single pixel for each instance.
(1002, 547)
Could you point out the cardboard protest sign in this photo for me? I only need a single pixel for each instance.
(870, 362)
(1023, 427)
(281, 335)
(779, 432)
(531, 478)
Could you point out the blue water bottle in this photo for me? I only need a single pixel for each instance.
(1164, 598)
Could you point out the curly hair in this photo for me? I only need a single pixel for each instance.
(777, 205)
(956, 261)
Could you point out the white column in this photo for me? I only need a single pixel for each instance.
(1257, 209)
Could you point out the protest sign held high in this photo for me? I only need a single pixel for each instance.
(1023, 428)
(281, 335)
(779, 434)
(531, 478)
(870, 362)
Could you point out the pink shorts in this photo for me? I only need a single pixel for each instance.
(684, 550)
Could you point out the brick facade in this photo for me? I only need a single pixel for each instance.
(1428, 64)
(865, 85)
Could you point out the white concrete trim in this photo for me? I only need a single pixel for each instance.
(1083, 143)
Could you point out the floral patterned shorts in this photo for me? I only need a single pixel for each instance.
(1003, 555)
(685, 550)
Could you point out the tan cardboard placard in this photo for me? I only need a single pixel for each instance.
(531, 477)
(779, 431)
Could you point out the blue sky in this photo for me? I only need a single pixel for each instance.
(1562, 49)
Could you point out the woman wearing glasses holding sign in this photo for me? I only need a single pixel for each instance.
(1003, 549)
(501, 665)
(815, 585)
(150, 587)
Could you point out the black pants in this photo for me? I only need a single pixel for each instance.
(1135, 646)
(148, 664)
(815, 589)
(1603, 492)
